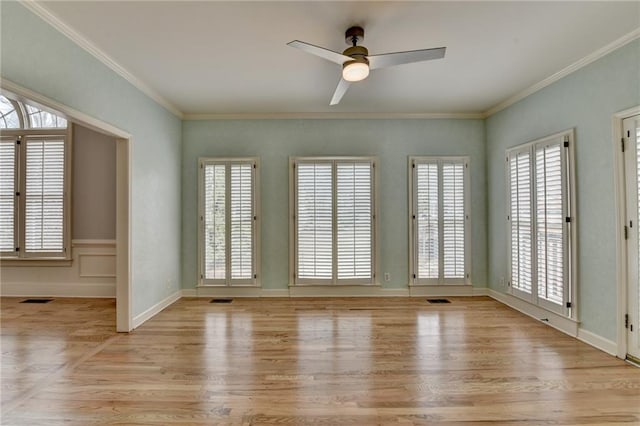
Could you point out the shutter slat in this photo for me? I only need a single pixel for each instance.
(314, 220)
(354, 220)
(44, 196)
(427, 220)
(521, 234)
(215, 221)
(549, 220)
(453, 220)
(241, 221)
(7, 194)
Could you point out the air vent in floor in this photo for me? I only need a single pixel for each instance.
(36, 301)
(438, 301)
(221, 300)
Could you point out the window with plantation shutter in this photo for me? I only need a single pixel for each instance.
(439, 230)
(34, 180)
(228, 221)
(44, 195)
(539, 188)
(333, 220)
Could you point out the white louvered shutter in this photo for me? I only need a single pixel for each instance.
(453, 220)
(354, 219)
(550, 223)
(521, 221)
(242, 223)
(7, 195)
(314, 221)
(215, 218)
(427, 221)
(44, 195)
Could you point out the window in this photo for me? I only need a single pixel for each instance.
(228, 222)
(439, 221)
(34, 180)
(539, 217)
(333, 226)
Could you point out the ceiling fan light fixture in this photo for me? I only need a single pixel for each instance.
(355, 71)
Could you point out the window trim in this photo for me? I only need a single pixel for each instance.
(421, 282)
(23, 258)
(569, 210)
(257, 280)
(293, 252)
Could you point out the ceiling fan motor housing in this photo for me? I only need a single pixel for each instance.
(357, 53)
(354, 35)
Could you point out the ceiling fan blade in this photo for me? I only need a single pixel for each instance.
(343, 85)
(327, 54)
(398, 58)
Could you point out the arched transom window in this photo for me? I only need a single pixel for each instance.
(18, 115)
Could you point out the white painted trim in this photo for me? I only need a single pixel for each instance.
(592, 57)
(124, 281)
(336, 116)
(44, 14)
(92, 243)
(94, 275)
(140, 319)
(189, 292)
(446, 290)
(597, 342)
(346, 291)
(39, 100)
(224, 291)
(47, 289)
(274, 292)
(559, 322)
(621, 247)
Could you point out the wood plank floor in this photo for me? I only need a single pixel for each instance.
(365, 361)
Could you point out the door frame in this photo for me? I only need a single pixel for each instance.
(124, 313)
(621, 249)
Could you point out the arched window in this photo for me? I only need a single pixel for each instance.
(18, 115)
(9, 118)
(34, 182)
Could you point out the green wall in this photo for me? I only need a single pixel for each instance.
(585, 100)
(392, 141)
(38, 57)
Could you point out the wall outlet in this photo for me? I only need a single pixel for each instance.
(169, 282)
(502, 282)
(387, 276)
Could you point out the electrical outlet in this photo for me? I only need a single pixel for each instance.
(168, 284)
(387, 276)
(501, 281)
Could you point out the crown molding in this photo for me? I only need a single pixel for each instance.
(88, 46)
(592, 57)
(334, 116)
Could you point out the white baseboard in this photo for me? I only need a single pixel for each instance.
(346, 291)
(140, 319)
(598, 342)
(274, 292)
(48, 289)
(446, 290)
(563, 324)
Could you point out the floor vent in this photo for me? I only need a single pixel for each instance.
(221, 300)
(438, 301)
(36, 301)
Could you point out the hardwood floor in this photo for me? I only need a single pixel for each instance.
(365, 361)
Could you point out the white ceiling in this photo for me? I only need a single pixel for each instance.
(232, 58)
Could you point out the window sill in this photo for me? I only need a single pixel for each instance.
(35, 262)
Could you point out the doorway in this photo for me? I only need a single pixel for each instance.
(630, 140)
(124, 314)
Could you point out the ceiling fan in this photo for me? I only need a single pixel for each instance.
(356, 61)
